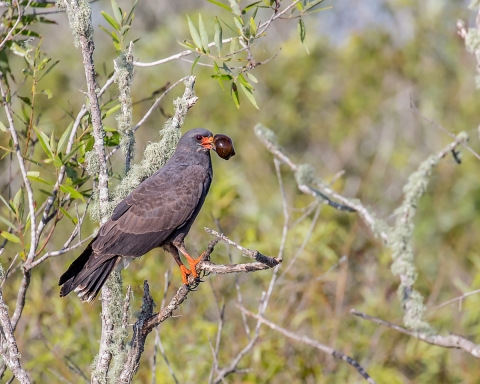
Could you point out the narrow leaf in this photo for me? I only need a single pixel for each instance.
(116, 12)
(110, 20)
(312, 4)
(235, 7)
(65, 136)
(224, 6)
(10, 237)
(40, 180)
(3, 128)
(43, 138)
(301, 30)
(235, 97)
(218, 36)
(74, 220)
(203, 33)
(8, 223)
(248, 92)
(252, 78)
(195, 36)
(73, 192)
(194, 64)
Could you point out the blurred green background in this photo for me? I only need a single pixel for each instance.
(343, 107)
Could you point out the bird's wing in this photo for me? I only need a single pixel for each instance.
(159, 206)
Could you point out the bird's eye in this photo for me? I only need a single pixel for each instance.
(198, 137)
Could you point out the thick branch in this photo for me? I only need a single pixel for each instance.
(12, 356)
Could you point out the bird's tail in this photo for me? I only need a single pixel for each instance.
(87, 274)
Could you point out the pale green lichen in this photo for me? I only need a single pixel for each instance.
(400, 242)
(123, 77)
(79, 15)
(92, 163)
(472, 40)
(305, 175)
(266, 135)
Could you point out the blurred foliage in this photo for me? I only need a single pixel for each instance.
(345, 106)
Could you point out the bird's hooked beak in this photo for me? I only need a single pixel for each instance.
(207, 142)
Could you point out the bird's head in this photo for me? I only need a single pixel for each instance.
(202, 140)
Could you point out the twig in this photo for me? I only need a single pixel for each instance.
(158, 341)
(19, 18)
(177, 56)
(450, 341)
(312, 343)
(254, 254)
(208, 267)
(457, 299)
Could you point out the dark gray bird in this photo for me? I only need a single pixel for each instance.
(158, 213)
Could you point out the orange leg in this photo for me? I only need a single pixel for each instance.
(185, 272)
(191, 261)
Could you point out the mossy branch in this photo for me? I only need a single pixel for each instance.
(398, 238)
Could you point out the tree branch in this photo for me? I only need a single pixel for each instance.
(12, 356)
(313, 343)
(450, 341)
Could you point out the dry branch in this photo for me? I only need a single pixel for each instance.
(449, 341)
(312, 343)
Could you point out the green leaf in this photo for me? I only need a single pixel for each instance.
(250, 6)
(47, 93)
(3, 128)
(110, 20)
(8, 205)
(188, 45)
(116, 12)
(203, 33)
(8, 223)
(194, 64)
(224, 6)
(233, 45)
(73, 192)
(40, 180)
(235, 7)
(195, 36)
(235, 97)
(252, 78)
(33, 173)
(312, 4)
(248, 92)
(49, 69)
(43, 138)
(218, 36)
(253, 27)
(10, 237)
(301, 30)
(57, 162)
(216, 68)
(26, 100)
(53, 143)
(130, 14)
(244, 82)
(112, 34)
(112, 110)
(239, 23)
(74, 220)
(65, 136)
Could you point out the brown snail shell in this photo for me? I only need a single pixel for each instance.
(224, 146)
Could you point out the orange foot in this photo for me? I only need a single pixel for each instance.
(185, 272)
(193, 264)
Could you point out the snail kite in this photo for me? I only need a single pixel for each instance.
(158, 213)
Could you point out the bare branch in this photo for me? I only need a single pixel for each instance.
(12, 356)
(312, 343)
(450, 341)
